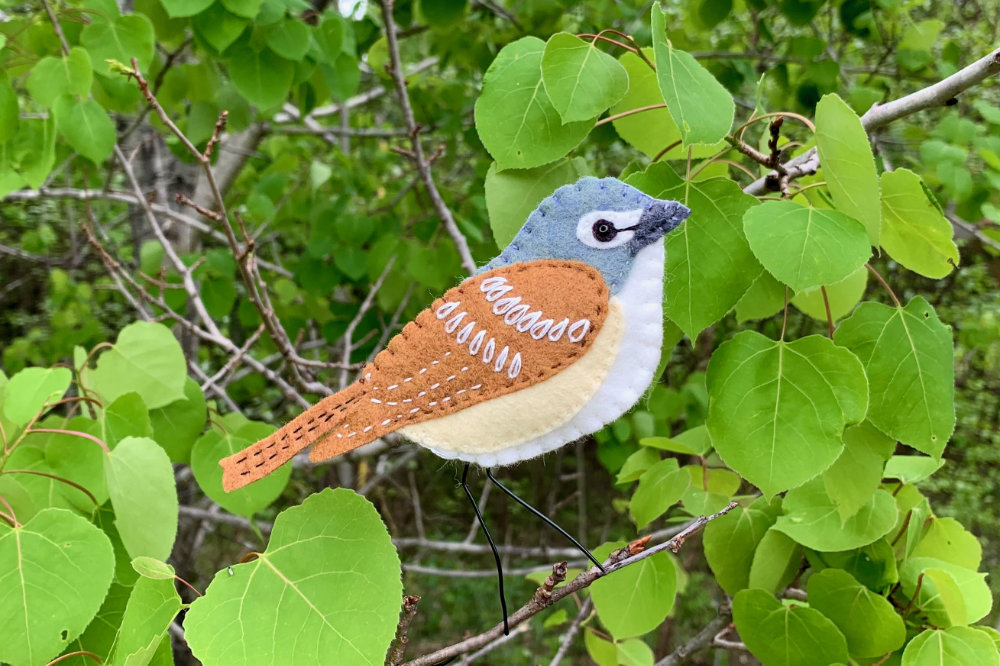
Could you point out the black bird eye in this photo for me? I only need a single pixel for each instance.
(604, 231)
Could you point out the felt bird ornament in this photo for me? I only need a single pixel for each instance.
(554, 338)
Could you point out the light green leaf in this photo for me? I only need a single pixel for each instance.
(709, 263)
(848, 164)
(812, 519)
(710, 489)
(693, 442)
(181, 8)
(151, 608)
(126, 417)
(764, 298)
(790, 635)
(580, 79)
(868, 621)
(634, 652)
(874, 565)
(731, 541)
(36, 143)
(177, 425)
(776, 562)
(330, 572)
(86, 127)
(329, 38)
(215, 445)
(262, 77)
(140, 482)
(512, 195)
(56, 570)
(99, 636)
(700, 106)
(855, 476)
(52, 77)
(805, 247)
(146, 359)
(950, 594)
(842, 296)
(660, 487)
(603, 652)
(79, 460)
(150, 567)
(947, 647)
(245, 8)
(31, 390)
(907, 354)
(637, 598)
(777, 410)
(218, 27)
(636, 464)
(911, 469)
(124, 38)
(915, 232)
(516, 121)
(946, 539)
(289, 38)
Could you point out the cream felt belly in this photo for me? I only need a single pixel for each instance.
(513, 419)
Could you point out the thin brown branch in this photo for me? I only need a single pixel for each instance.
(398, 648)
(885, 285)
(631, 112)
(56, 27)
(574, 628)
(703, 639)
(56, 478)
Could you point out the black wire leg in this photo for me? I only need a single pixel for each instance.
(545, 518)
(493, 547)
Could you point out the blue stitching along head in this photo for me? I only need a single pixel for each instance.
(599, 221)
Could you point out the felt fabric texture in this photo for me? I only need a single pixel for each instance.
(505, 422)
(496, 333)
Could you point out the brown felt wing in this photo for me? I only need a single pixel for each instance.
(495, 333)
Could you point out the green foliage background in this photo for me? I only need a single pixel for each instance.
(864, 459)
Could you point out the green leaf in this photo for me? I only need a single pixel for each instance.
(660, 487)
(652, 131)
(100, 635)
(782, 635)
(36, 143)
(700, 106)
(329, 38)
(86, 127)
(848, 164)
(215, 445)
(245, 8)
(57, 568)
(709, 263)
(634, 652)
(80, 461)
(126, 417)
(855, 476)
(868, 621)
(330, 572)
(693, 442)
(937, 591)
(603, 652)
(516, 121)
(512, 195)
(911, 469)
(907, 354)
(150, 567)
(805, 247)
(262, 77)
(636, 464)
(637, 598)
(812, 519)
(777, 410)
(954, 645)
(710, 489)
(151, 608)
(442, 13)
(776, 562)
(52, 77)
(177, 425)
(764, 298)
(946, 539)
(289, 38)
(915, 232)
(140, 482)
(146, 359)
(842, 297)
(874, 565)
(181, 8)
(124, 38)
(731, 541)
(580, 79)
(30, 391)
(218, 27)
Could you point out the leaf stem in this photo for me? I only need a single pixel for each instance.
(784, 317)
(829, 315)
(630, 112)
(75, 433)
(878, 276)
(56, 478)
(12, 518)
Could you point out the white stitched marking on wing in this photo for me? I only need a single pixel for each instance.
(477, 386)
(492, 282)
(422, 371)
(578, 330)
(515, 313)
(557, 331)
(539, 330)
(376, 401)
(451, 378)
(496, 293)
(434, 386)
(460, 392)
(464, 334)
(432, 403)
(394, 386)
(387, 422)
(454, 322)
(447, 353)
(505, 304)
(477, 342)
(447, 309)
(465, 368)
(339, 436)
(368, 375)
(491, 347)
(392, 404)
(352, 434)
(528, 320)
(422, 394)
(399, 416)
(515, 366)
(446, 399)
(436, 362)
(408, 400)
(408, 379)
(501, 359)
(367, 428)
(414, 410)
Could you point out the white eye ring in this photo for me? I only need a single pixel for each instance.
(621, 220)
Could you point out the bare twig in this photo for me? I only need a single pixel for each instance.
(421, 162)
(585, 610)
(398, 648)
(701, 640)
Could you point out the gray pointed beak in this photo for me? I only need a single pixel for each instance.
(659, 218)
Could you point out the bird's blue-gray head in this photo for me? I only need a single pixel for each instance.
(600, 221)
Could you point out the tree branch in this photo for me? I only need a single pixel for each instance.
(701, 640)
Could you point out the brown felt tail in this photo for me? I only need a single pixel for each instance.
(257, 461)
